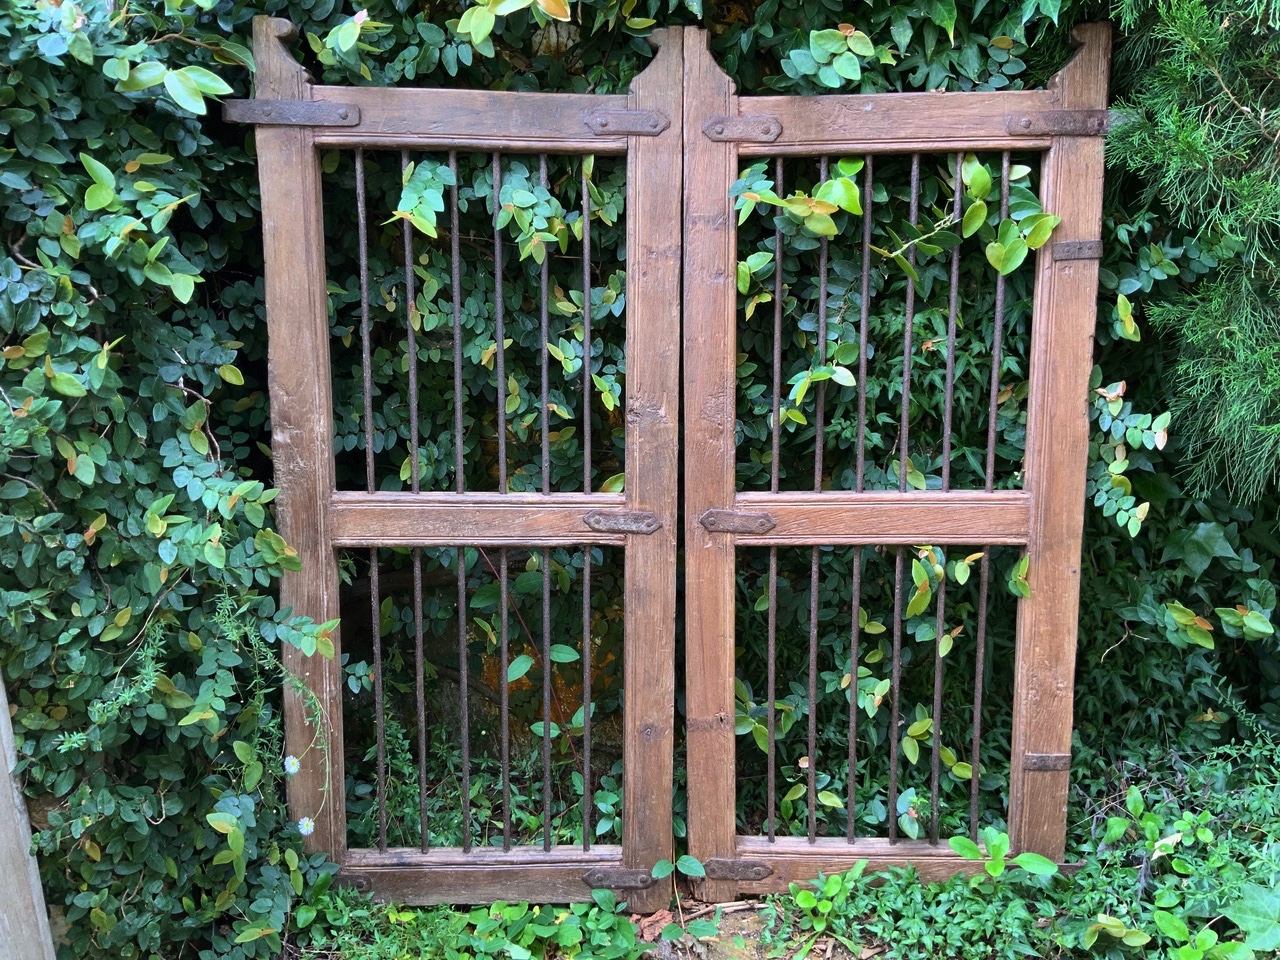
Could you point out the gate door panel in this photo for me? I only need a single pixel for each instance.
(455, 548)
(780, 530)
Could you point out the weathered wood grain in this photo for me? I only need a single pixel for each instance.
(710, 343)
(1056, 457)
(957, 517)
(652, 447)
(301, 427)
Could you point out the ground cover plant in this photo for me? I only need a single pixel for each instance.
(139, 637)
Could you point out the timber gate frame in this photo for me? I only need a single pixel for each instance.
(681, 127)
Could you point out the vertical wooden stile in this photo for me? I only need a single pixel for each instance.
(710, 343)
(1055, 465)
(301, 427)
(654, 199)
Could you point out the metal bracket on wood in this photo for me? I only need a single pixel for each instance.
(618, 878)
(290, 113)
(628, 123)
(1047, 761)
(1057, 123)
(622, 521)
(722, 868)
(743, 129)
(737, 521)
(1077, 250)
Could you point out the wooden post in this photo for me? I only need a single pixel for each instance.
(653, 426)
(301, 427)
(24, 922)
(710, 344)
(1055, 464)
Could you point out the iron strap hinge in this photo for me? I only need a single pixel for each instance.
(626, 123)
(622, 521)
(737, 521)
(618, 878)
(1077, 249)
(1057, 123)
(723, 868)
(1046, 761)
(290, 113)
(743, 129)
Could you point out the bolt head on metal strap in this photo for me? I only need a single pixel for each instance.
(627, 123)
(290, 113)
(622, 521)
(1057, 123)
(737, 521)
(723, 868)
(743, 129)
(618, 878)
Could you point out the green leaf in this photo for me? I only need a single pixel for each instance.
(183, 287)
(67, 385)
(1172, 926)
(1036, 864)
(99, 172)
(224, 823)
(519, 667)
(184, 91)
(663, 869)
(966, 848)
(829, 799)
(142, 76)
(231, 374)
(1257, 913)
(974, 218)
(691, 866)
(561, 653)
(206, 81)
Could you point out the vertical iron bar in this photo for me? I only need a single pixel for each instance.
(499, 309)
(505, 705)
(997, 333)
(867, 202)
(952, 308)
(774, 471)
(586, 334)
(935, 755)
(587, 791)
(908, 336)
(895, 688)
(544, 336)
(367, 378)
(546, 698)
(415, 486)
(854, 638)
(463, 688)
(455, 266)
(813, 695)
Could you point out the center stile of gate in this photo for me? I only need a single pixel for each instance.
(484, 492)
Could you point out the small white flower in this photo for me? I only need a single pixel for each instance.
(361, 16)
(292, 765)
(306, 826)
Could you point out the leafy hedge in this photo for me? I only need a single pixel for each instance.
(139, 636)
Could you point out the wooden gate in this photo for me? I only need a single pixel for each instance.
(1045, 516)
(680, 129)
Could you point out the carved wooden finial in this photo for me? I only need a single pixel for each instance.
(277, 75)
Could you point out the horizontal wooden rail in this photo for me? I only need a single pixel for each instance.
(896, 122)
(402, 117)
(471, 519)
(407, 875)
(796, 860)
(960, 517)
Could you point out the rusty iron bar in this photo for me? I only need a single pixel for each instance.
(544, 337)
(586, 698)
(908, 336)
(953, 299)
(504, 600)
(895, 685)
(855, 636)
(463, 687)
(499, 322)
(774, 472)
(546, 698)
(980, 650)
(864, 314)
(586, 333)
(935, 755)
(455, 268)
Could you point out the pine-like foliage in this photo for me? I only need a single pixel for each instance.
(1201, 128)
